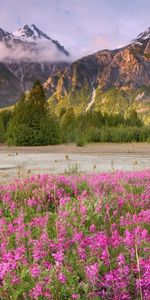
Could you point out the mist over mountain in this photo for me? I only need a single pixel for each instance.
(27, 54)
(29, 44)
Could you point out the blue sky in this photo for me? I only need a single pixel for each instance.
(82, 26)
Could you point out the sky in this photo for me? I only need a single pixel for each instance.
(81, 26)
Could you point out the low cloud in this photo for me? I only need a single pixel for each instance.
(40, 52)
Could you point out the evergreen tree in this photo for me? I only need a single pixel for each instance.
(31, 123)
(68, 126)
(133, 119)
(2, 131)
(5, 117)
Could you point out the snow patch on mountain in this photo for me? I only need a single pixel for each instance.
(143, 36)
(30, 33)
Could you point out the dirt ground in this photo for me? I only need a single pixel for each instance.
(92, 158)
(91, 149)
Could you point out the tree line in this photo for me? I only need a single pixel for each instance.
(31, 123)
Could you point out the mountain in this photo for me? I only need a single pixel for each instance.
(33, 34)
(26, 55)
(108, 80)
(143, 36)
(4, 35)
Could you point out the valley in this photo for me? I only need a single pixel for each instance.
(101, 97)
(75, 150)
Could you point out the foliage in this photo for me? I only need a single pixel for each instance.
(2, 131)
(31, 123)
(80, 140)
(5, 117)
(68, 124)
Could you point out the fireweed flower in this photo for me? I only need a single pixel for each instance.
(92, 272)
(92, 228)
(77, 233)
(31, 202)
(121, 259)
(59, 258)
(62, 278)
(75, 296)
(15, 280)
(37, 291)
(35, 271)
(47, 265)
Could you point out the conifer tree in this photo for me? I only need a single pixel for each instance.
(31, 123)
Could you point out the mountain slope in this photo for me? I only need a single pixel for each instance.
(123, 70)
(9, 85)
(27, 54)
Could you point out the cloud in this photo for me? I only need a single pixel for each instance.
(75, 23)
(41, 52)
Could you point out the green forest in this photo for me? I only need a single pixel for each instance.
(31, 123)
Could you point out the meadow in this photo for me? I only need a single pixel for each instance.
(76, 237)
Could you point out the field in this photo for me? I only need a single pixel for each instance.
(76, 237)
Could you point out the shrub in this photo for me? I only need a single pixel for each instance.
(80, 140)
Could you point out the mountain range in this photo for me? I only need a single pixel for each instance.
(108, 80)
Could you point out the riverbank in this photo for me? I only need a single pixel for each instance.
(20, 162)
(90, 149)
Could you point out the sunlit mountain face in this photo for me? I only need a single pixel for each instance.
(109, 80)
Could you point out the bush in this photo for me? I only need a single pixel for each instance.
(94, 135)
(21, 135)
(80, 140)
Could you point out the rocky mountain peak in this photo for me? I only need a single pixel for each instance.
(4, 35)
(40, 33)
(143, 37)
(30, 33)
(26, 55)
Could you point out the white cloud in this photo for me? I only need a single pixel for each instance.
(38, 52)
